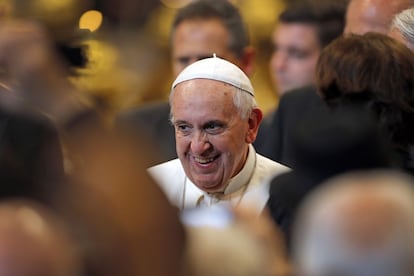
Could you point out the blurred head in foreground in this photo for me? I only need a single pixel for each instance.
(34, 242)
(358, 224)
(123, 221)
(372, 72)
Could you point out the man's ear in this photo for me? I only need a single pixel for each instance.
(254, 121)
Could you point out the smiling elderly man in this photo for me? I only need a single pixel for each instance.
(216, 119)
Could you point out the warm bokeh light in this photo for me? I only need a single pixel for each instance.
(6, 8)
(91, 20)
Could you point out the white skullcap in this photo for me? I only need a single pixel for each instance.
(218, 69)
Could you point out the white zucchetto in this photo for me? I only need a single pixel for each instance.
(218, 69)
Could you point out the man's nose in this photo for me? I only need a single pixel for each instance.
(200, 142)
(279, 61)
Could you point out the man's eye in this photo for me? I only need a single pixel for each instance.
(299, 54)
(183, 128)
(213, 127)
(184, 60)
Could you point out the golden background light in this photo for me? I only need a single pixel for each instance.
(91, 20)
(60, 16)
(128, 44)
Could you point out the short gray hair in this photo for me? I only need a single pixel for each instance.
(404, 22)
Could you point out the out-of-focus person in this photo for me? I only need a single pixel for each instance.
(216, 119)
(402, 28)
(357, 224)
(373, 15)
(349, 139)
(236, 241)
(31, 158)
(372, 72)
(302, 30)
(370, 77)
(199, 30)
(34, 241)
(110, 204)
(122, 220)
(361, 16)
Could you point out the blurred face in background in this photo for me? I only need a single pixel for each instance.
(295, 54)
(373, 15)
(199, 38)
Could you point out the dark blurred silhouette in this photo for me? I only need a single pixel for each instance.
(347, 140)
(372, 72)
(302, 30)
(121, 221)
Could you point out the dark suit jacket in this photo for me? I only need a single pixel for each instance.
(275, 133)
(325, 144)
(31, 163)
(152, 121)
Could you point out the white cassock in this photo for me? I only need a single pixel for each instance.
(250, 187)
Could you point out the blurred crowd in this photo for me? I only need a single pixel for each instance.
(207, 137)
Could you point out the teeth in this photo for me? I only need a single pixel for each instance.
(203, 160)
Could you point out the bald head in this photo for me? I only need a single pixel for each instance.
(358, 224)
(373, 15)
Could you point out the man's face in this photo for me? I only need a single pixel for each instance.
(296, 52)
(372, 15)
(211, 137)
(197, 39)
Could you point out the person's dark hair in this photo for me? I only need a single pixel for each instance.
(222, 10)
(376, 72)
(327, 16)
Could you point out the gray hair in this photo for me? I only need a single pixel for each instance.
(404, 22)
(243, 101)
(358, 224)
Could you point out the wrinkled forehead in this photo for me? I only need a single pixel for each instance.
(203, 98)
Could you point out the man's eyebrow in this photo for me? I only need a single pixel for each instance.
(179, 122)
(204, 57)
(183, 58)
(188, 58)
(215, 122)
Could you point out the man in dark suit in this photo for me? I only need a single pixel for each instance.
(277, 130)
(303, 29)
(199, 30)
(324, 146)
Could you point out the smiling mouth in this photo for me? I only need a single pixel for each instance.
(204, 160)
